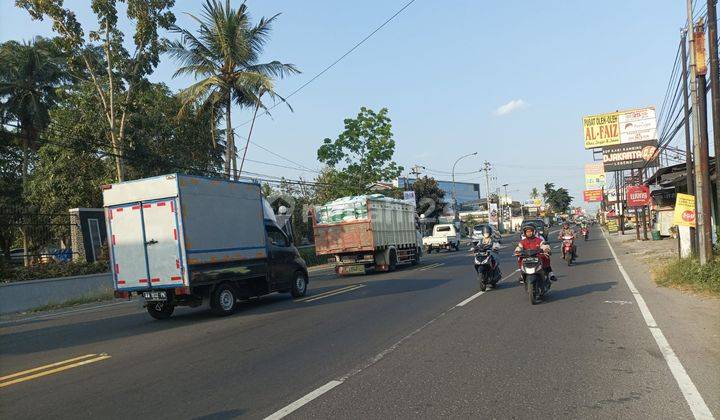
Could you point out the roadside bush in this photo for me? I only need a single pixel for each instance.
(46, 271)
(688, 273)
(308, 254)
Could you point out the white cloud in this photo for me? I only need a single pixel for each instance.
(511, 106)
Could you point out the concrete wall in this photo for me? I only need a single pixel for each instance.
(24, 295)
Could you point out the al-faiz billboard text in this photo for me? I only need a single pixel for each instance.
(620, 127)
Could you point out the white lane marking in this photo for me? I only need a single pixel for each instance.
(429, 267)
(478, 294)
(468, 300)
(338, 292)
(697, 405)
(619, 302)
(302, 401)
(325, 293)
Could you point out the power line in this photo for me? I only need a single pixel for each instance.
(348, 52)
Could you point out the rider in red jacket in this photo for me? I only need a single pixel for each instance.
(532, 241)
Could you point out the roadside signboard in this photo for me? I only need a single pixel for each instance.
(612, 225)
(638, 195)
(592, 196)
(493, 214)
(537, 202)
(594, 176)
(684, 210)
(409, 196)
(611, 195)
(630, 156)
(622, 127)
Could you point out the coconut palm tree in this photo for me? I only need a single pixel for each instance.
(534, 193)
(30, 74)
(29, 79)
(223, 57)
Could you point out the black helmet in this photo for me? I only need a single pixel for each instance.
(531, 227)
(487, 230)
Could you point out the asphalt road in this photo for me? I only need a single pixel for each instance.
(397, 346)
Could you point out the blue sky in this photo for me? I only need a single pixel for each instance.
(444, 69)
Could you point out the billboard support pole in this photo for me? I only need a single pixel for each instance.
(645, 214)
(689, 178)
(637, 214)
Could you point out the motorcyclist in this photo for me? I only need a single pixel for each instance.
(532, 241)
(568, 231)
(487, 239)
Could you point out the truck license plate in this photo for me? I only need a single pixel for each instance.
(354, 269)
(159, 295)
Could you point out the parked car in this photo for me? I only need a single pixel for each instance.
(444, 236)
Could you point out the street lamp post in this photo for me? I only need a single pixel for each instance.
(509, 205)
(453, 183)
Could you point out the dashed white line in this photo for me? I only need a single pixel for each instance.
(281, 413)
(696, 402)
(478, 294)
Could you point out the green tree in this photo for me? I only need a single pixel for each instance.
(116, 75)
(558, 199)
(534, 193)
(361, 155)
(428, 196)
(29, 78)
(225, 56)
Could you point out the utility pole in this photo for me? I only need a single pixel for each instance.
(509, 206)
(416, 171)
(690, 179)
(702, 170)
(696, 134)
(715, 88)
(486, 168)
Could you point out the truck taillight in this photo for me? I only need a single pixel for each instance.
(106, 187)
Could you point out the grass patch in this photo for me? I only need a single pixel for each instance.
(688, 274)
(82, 300)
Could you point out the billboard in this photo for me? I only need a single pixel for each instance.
(638, 195)
(593, 196)
(622, 127)
(630, 156)
(684, 210)
(594, 176)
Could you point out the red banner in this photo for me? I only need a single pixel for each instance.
(592, 196)
(638, 195)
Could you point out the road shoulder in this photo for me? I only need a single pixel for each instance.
(691, 323)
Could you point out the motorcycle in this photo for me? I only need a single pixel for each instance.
(536, 283)
(568, 248)
(486, 267)
(585, 232)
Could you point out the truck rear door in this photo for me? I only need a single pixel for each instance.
(145, 245)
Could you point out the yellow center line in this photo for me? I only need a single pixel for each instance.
(336, 293)
(325, 293)
(56, 370)
(51, 365)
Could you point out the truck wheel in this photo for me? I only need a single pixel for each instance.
(160, 310)
(393, 260)
(223, 299)
(416, 258)
(299, 286)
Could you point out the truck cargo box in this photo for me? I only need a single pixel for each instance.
(162, 228)
(363, 224)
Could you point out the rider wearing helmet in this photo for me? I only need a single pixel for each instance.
(568, 231)
(533, 241)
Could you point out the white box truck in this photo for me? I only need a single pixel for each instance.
(178, 240)
(367, 232)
